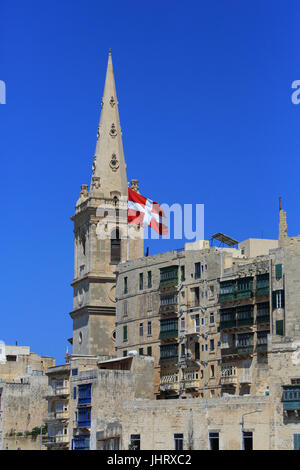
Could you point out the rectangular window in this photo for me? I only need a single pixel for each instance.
(197, 270)
(278, 271)
(135, 441)
(212, 371)
(125, 285)
(178, 441)
(141, 351)
(149, 351)
(141, 328)
(197, 351)
(278, 299)
(125, 338)
(212, 345)
(74, 393)
(141, 281)
(125, 308)
(182, 324)
(149, 328)
(279, 327)
(182, 350)
(247, 440)
(124, 353)
(182, 273)
(211, 318)
(149, 279)
(214, 441)
(74, 372)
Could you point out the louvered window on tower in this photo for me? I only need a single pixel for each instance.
(115, 247)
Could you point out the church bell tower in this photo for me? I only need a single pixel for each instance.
(101, 234)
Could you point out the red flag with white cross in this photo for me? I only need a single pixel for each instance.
(142, 211)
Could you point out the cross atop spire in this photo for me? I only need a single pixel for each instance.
(109, 163)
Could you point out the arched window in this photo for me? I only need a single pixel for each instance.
(115, 247)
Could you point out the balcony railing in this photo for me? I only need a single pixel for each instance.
(262, 348)
(57, 415)
(191, 383)
(169, 359)
(81, 443)
(58, 439)
(245, 349)
(228, 380)
(248, 321)
(231, 323)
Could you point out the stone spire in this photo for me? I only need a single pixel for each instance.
(109, 169)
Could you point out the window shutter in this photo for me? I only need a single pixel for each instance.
(279, 327)
(278, 271)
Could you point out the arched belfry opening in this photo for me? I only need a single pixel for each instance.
(115, 247)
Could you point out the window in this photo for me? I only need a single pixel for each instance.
(212, 345)
(115, 247)
(212, 371)
(278, 271)
(141, 328)
(197, 270)
(149, 351)
(125, 285)
(247, 440)
(149, 328)
(74, 372)
(197, 351)
(214, 441)
(149, 302)
(182, 323)
(149, 279)
(74, 393)
(125, 338)
(178, 441)
(182, 273)
(124, 353)
(211, 318)
(141, 351)
(11, 358)
(279, 327)
(141, 281)
(182, 350)
(125, 308)
(211, 291)
(135, 441)
(278, 299)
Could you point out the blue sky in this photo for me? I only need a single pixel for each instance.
(204, 92)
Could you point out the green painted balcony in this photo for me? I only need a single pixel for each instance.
(291, 397)
(263, 318)
(260, 291)
(227, 297)
(245, 294)
(169, 334)
(245, 321)
(227, 324)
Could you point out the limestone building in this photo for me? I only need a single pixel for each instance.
(23, 408)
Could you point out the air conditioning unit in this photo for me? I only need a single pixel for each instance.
(133, 353)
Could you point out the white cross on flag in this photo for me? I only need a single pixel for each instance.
(143, 211)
